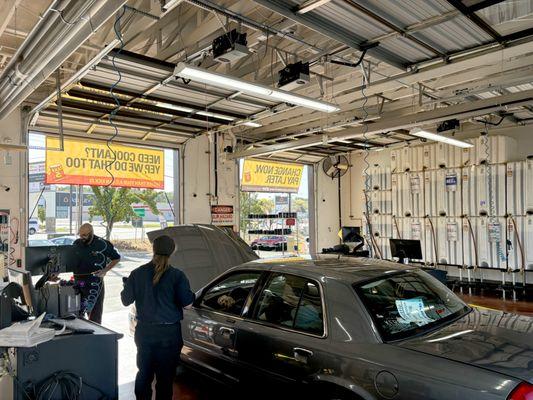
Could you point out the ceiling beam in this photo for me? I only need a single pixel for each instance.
(7, 9)
(459, 111)
(118, 139)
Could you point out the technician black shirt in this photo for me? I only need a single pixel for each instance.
(92, 257)
(162, 303)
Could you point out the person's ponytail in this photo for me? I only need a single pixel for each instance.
(160, 266)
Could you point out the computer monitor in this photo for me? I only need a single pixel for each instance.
(351, 234)
(23, 278)
(406, 249)
(50, 259)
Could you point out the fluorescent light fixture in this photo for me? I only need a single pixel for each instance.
(223, 81)
(311, 5)
(252, 124)
(439, 138)
(303, 101)
(215, 115)
(173, 107)
(219, 80)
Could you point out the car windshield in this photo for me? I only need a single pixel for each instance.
(409, 303)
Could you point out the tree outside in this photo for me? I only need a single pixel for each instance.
(301, 206)
(251, 204)
(41, 214)
(115, 204)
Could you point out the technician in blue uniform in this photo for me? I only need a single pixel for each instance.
(160, 293)
(94, 259)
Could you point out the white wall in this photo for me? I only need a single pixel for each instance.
(198, 184)
(12, 175)
(327, 210)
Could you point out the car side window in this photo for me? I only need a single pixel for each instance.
(293, 302)
(229, 295)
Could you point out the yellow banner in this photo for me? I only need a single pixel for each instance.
(262, 176)
(93, 163)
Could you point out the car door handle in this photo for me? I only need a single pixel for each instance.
(301, 354)
(226, 332)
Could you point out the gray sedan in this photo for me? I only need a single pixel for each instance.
(355, 330)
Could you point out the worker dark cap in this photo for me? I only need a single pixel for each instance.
(164, 245)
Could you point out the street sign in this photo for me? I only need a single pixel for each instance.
(141, 212)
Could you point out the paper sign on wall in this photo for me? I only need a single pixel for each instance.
(451, 182)
(222, 215)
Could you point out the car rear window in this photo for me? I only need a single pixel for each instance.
(409, 303)
(292, 302)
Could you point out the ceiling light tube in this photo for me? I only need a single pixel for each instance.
(173, 106)
(215, 115)
(171, 4)
(223, 81)
(311, 5)
(421, 133)
(252, 124)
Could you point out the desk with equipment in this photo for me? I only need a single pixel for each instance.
(81, 361)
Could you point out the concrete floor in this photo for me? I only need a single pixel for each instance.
(191, 386)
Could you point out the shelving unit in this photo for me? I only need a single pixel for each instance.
(280, 222)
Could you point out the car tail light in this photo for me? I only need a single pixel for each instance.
(524, 391)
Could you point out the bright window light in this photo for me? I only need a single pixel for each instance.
(439, 138)
(219, 80)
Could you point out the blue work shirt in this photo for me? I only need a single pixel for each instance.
(162, 303)
(92, 257)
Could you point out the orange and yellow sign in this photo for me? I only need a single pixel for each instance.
(262, 176)
(93, 163)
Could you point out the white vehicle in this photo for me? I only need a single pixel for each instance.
(33, 226)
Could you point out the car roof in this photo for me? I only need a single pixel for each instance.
(352, 270)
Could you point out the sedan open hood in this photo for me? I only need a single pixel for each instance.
(205, 251)
(488, 339)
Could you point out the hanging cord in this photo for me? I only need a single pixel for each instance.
(373, 243)
(112, 114)
(97, 285)
(368, 205)
(395, 220)
(474, 241)
(492, 202)
(434, 236)
(519, 243)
